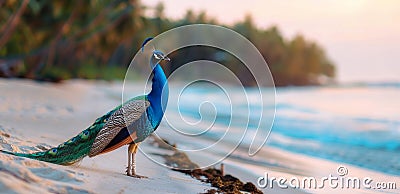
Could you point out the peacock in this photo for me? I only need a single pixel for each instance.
(127, 124)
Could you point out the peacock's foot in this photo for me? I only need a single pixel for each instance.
(137, 176)
(130, 172)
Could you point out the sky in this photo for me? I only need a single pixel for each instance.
(362, 37)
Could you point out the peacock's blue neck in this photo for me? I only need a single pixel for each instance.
(158, 97)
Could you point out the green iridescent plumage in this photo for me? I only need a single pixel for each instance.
(75, 148)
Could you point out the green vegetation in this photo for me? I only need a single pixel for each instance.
(56, 40)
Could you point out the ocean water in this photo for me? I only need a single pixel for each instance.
(358, 125)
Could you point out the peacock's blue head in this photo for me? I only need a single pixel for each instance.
(156, 57)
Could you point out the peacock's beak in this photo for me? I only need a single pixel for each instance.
(166, 58)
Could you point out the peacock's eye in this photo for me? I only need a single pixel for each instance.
(53, 151)
(85, 134)
(71, 140)
(156, 56)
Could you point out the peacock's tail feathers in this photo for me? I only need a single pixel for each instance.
(71, 151)
(76, 148)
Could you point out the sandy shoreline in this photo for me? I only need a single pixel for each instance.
(45, 114)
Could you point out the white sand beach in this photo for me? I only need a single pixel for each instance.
(34, 116)
(42, 114)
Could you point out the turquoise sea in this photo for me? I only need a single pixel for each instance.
(353, 124)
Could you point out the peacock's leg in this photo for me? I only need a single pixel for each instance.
(131, 170)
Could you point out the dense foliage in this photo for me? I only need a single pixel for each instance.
(55, 40)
